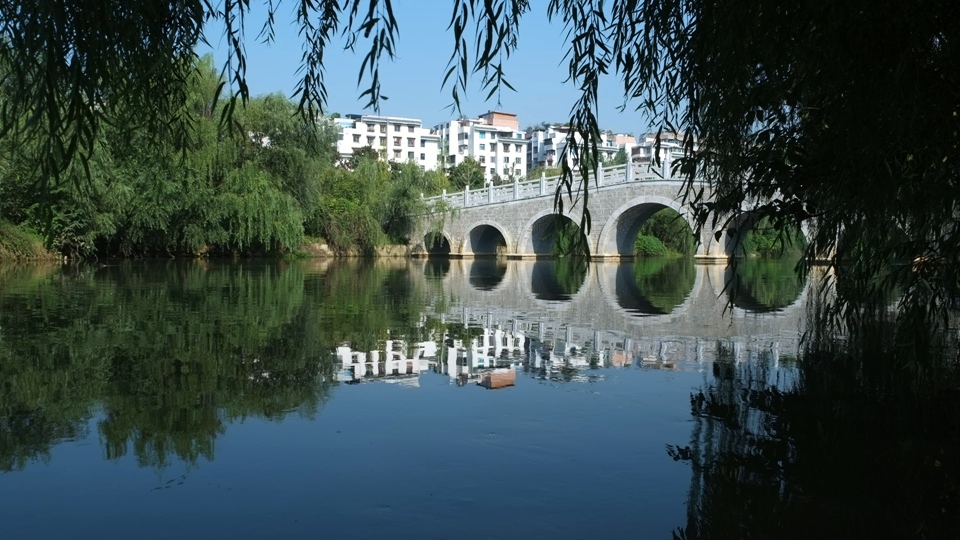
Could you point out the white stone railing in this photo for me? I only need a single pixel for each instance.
(545, 186)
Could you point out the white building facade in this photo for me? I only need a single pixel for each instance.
(547, 145)
(646, 152)
(493, 140)
(395, 138)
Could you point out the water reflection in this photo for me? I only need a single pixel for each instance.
(558, 279)
(170, 354)
(764, 285)
(654, 286)
(487, 273)
(436, 268)
(159, 364)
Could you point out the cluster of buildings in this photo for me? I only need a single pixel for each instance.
(494, 140)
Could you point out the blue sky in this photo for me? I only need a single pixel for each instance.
(413, 81)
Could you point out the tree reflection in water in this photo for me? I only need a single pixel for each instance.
(655, 286)
(172, 353)
(763, 285)
(814, 452)
(558, 279)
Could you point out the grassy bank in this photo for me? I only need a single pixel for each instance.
(17, 244)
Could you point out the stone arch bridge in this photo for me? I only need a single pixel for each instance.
(518, 220)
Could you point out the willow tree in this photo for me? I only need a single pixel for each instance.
(841, 114)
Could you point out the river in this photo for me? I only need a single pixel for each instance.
(340, 399)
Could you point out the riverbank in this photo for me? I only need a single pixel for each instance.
(17, 244)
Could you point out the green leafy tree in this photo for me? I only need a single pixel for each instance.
(620, 158)
(402, 202)
(467, 173)
(766, 124)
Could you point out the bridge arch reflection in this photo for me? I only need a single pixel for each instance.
(764, 285)
(654, 286)
(487, 274)
(558, 279)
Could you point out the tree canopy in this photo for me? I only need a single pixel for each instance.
(843, 115)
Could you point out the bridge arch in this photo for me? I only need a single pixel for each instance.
(620, 230)
(437, 243)
(485, 238)
(736, 231)
(538, 234)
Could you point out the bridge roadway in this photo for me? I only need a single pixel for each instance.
(518, 221)
(602, 312)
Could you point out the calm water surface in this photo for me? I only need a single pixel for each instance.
(343, 400)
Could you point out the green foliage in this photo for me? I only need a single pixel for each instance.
(254, 189)
(348, 213)
(436, 182)
(467, 173)
(364, 153)
(620, 158)
(650, 246)
(766, 240)
(19, 244)
(669, 227)
(402, 202)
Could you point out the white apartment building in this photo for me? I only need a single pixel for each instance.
(396, 139)
(494, 140)
(548, 144)
(671, 149)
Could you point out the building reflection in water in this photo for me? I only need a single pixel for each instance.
(539, 350)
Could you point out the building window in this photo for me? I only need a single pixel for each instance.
(506, 147)
(370, 141)
(409, 129)
(383, 141)
(396, 141)
(423, 156)
(483, 135)
(409, 155)
(396, 127)
(517, 147)
(483, 146)
(516, 160)
(516, 172)
(396, 153)
(340, 137)
(423, 143)
(493, 159)
(411, 142)
(356, 138)
(383, 128)
(371, 128)
(493, 171)
(483, 159)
